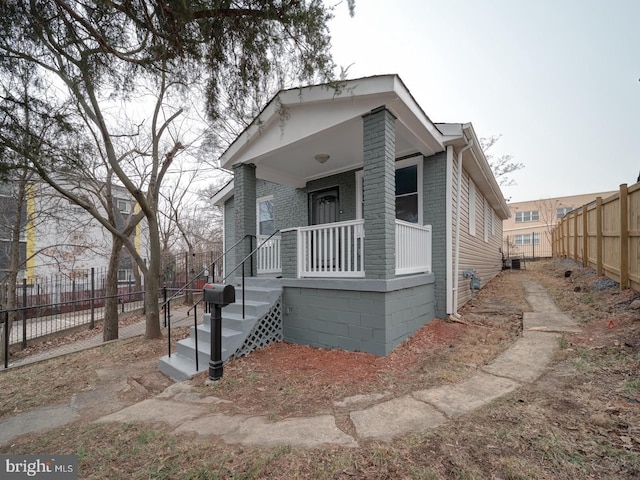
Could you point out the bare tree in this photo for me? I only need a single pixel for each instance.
(15, 219)
(502, 166)
(99, 54)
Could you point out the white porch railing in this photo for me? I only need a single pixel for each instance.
(413, 248)
(331, 250)
(268, 255)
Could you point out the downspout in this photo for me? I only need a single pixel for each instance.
(456, 250)
(449, 230)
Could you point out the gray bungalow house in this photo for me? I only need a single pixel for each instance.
(368, 218)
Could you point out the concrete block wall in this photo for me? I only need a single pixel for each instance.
(356, 320)
(289, 253)
(435, 214)
(229, 232)
(291, 205)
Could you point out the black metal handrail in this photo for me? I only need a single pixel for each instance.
(241, 264)
(166, 305)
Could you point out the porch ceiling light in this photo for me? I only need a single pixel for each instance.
(321, 157)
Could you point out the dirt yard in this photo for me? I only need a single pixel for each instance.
(579, 420)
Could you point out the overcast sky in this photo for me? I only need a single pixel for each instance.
(559, 80)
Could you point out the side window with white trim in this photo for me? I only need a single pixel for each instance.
(472, 208)
(408, 190)
(264, 216)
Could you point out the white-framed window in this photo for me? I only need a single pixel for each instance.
(264, 216)
(562, 211)
(472, 208)
(527, 239)
(529, 216)
(125, 275)
(408, 190)
(124, 206)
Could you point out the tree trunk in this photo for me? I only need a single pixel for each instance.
(18, 223)
(152, 283)
(110, 331)
(138, 279)
(11, 303)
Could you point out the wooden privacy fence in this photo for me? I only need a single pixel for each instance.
(604, 235)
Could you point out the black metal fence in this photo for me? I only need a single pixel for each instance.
(180, 269)
(529, 251)
(34, 320)
(51, 305)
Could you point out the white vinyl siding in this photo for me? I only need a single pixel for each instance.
(475, 253)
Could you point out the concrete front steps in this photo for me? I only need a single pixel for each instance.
(262, 298)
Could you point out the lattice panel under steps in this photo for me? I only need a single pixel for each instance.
(266, 331)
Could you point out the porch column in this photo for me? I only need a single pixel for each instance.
(244, 193)
(379, 194)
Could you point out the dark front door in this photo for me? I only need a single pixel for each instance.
(324, 208)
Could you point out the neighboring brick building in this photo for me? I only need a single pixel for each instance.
(527, 234)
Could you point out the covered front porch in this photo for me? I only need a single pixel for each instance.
(351, 201)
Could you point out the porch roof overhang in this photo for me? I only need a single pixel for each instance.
(300, 123)
(475, 164)
(222, 195)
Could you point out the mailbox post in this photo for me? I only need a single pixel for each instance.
(218, 296)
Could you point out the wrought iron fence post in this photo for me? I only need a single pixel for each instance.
(6, 339)
(93, 298)
(533, 247)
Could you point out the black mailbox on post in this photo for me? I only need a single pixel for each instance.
(217, 296)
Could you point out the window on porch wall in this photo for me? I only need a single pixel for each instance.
(264, 216)
(268, 258)
(409, 193)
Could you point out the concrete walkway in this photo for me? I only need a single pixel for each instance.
(188, 412)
